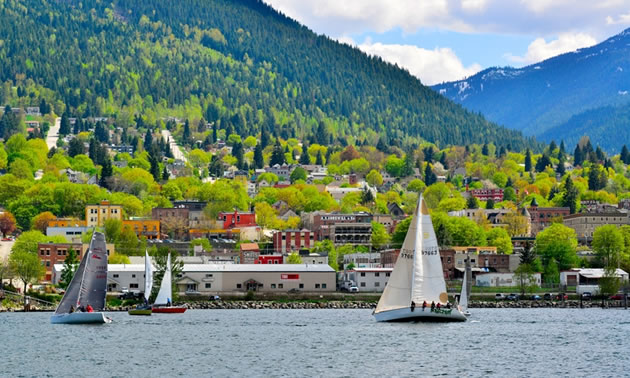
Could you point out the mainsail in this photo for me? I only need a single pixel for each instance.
(417, 275)
(148, 276)
(463, 296)
(164, 295)
(89, 284)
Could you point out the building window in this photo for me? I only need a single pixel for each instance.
(301, 286)
(323, 286)
(273, 286)
(133, 286)
(377, 284)
(362, 284)
(316, 286)
(47, 263)
(362, 274)
(280, 286)
(377, 274)
(133, 276)
(387, 274)
(238, 286)
(209, 275)
(208, 285)
(115, 276)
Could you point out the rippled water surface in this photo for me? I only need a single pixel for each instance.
(218, 343)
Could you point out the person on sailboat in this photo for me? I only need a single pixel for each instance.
(432, 306)
(168, 302)
(413, 306)
(89, 308)
(424, 305)
(71, 309)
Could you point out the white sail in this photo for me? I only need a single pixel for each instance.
(164, 295)
(417, 275)
(148, 276)
(463, 296)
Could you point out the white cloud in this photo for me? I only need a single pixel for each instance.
(540, 49)
(524, 17)
(622, 19)
(430, 66)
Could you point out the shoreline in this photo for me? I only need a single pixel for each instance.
(349, 305)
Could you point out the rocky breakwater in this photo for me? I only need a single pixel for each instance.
(544, 304)
(259, 305)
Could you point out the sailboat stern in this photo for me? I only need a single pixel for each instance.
(406, 314)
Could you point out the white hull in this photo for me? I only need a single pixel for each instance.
(406, 315)
(80, 318)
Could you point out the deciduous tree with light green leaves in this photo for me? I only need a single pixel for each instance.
(374, 178)
(557, 243)
(608, 244)
(70, 265)
(27, 268)
(294, 258)
(380, 237)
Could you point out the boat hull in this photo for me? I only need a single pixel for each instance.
(406, 315)
(140, 311)
(169, 310)
(80, 318)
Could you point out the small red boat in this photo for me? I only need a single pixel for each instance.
(169, 309)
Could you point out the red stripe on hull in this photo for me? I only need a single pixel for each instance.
(169, 310)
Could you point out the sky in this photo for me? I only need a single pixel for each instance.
(447, 40)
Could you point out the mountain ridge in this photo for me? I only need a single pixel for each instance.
(540, 96)
(240, 63)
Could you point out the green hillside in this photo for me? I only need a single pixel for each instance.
(237, 62)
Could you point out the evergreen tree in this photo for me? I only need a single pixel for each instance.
(509, 183)
(601, 156)
(77, 127)
(44, 108)
(490, 204)
(264, 138)
(570, 195)
(214, 132)
(216, 166)
(429, 177)
(484, 149)
(408, 166)
(578, 156)
(165, 175)
(70, 265)
(277, 155)
(106, 172)
(186, 136)
(443, 160)
(528, 161)
(148, 139)
(428, 154)
(304, 158)
(322, 134)
(92, 150)
(562, 148)
(259, 160)
(593, 178)
(64, 127)
(625, 155)
(560, 169)
(319, 160)
(502, 152)
(552, 147)
(237, 152)
(155, 166)
(382, 145)
(472, 202)
(75, 147)
(543, 163)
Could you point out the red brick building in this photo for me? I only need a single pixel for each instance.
(249, 253)
(237, 219)
(341, 229)
(485, 194)
(293, 240)
(55, 253)
(541, 217)
(269, 259)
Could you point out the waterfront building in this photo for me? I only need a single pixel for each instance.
(96, 215)
(149, 228)
(585, 224)
(543, 217)
(55, 253)
(494, 279)
(293, 240)
(366, 279)
(355, 229)
(587, 280)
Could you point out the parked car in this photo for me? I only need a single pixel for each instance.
(535, 297)
(499, 296)
(547, 296)
(294, 291)
(129, 295)
(618, 297)
(354, 289)
(587, 295)
(512, 297)
(562, 297)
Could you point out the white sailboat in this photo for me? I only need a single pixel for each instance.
(463, 296)
(416, 290)
(87, 288)
(148, 286)
(163, 303)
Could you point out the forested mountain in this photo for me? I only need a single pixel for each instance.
(237, 62)
(541, 96)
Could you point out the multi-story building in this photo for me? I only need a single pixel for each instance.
(292, 240)
(149, 228)
(70, 233)
(486, 194)
(366, 279)
(96, 215)
(363, 260)
(493, 216)
(342, 229)
(543, 217)
(174, 222)
(237, 219)
(585, 224)
(196, 217)
(249, 253)
(66, 222)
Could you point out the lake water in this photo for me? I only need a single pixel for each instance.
(219, 343)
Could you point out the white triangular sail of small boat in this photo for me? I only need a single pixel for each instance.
(89, 284)
(148, 276)
(417, 275)
(164, 295)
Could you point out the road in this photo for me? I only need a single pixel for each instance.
(53, 134)
(177, 152)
